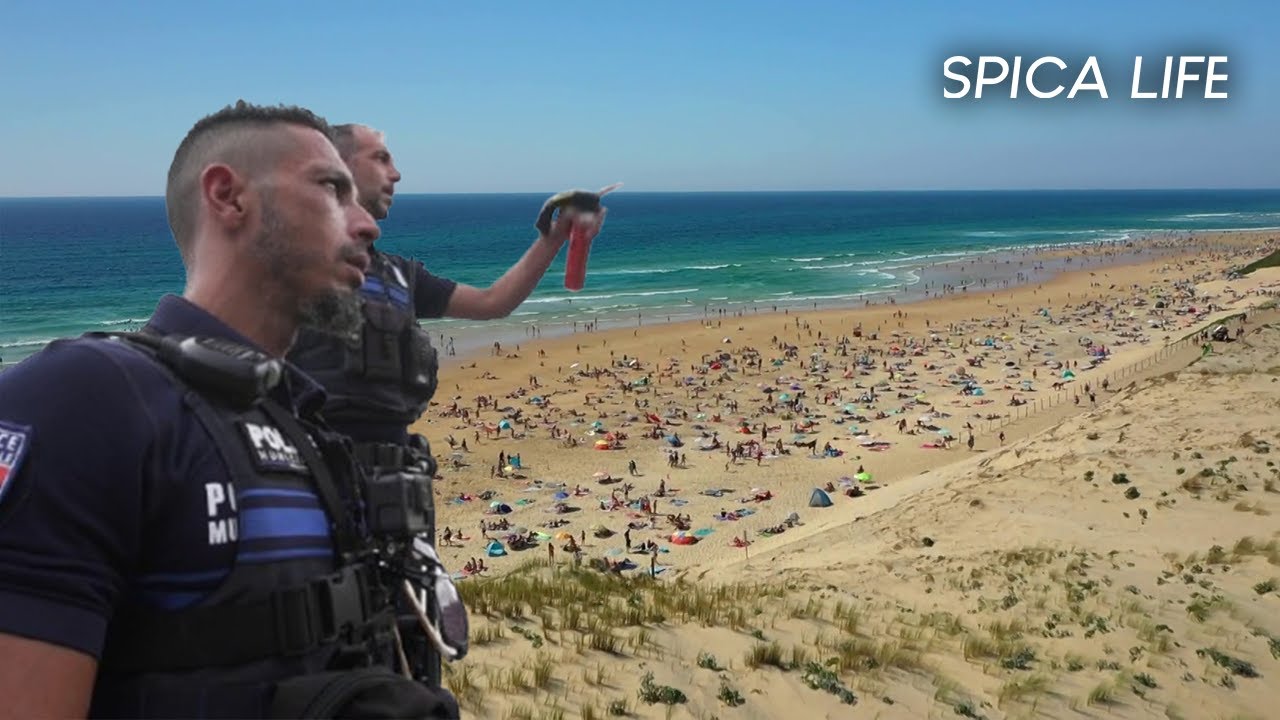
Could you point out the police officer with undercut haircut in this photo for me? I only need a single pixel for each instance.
(181, 533)
(380, 379)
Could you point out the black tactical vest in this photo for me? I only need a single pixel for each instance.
(288, 607)
(385, 374)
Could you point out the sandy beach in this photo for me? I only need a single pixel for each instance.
(1012, 497)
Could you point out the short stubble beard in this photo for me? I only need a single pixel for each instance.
(336, 312)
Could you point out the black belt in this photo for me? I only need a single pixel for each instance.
(289, 623)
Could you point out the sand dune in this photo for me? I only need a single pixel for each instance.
(1107, 559)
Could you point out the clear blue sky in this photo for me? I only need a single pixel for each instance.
(538, 96)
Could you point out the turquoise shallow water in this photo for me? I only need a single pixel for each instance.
(69, 265)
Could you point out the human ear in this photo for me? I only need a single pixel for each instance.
(222, 191)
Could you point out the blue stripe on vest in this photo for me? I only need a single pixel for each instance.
(269, 555)
(372, 283)
(272, 498)
(399, 296)
(270, 522)
(275, 492)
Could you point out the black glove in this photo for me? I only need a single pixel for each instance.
(579, 200)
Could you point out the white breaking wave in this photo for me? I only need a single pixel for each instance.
(647, 293)
(657, 271)
(827, 267)
(28, 343)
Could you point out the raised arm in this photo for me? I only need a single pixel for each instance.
(505, 295)
(507, 292)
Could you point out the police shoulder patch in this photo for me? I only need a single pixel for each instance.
(271, 450)
(14, 442)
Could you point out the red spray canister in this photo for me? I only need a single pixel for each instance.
(587, 218)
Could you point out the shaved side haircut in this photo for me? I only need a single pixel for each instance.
(243, 136)
(344, 138)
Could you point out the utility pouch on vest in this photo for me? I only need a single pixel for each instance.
(381, 347)
(372, 693)
(422, 364)
(398, 504)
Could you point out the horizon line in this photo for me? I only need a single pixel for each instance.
(731, 192)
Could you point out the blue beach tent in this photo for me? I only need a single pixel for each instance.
(819, 498)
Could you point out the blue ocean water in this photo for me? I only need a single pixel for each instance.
(69, 265)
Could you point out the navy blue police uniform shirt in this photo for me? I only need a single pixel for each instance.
(431, 293)
(112, 491)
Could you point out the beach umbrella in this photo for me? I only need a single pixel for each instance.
(561, 495)
(504, 425)
(599, 474)
(862, 477)
(597, 424)
(784, 397)
(509, 468)
(564, 535)
(495, 503)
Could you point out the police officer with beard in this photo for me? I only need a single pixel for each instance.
(180, 532)
(379, 380)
